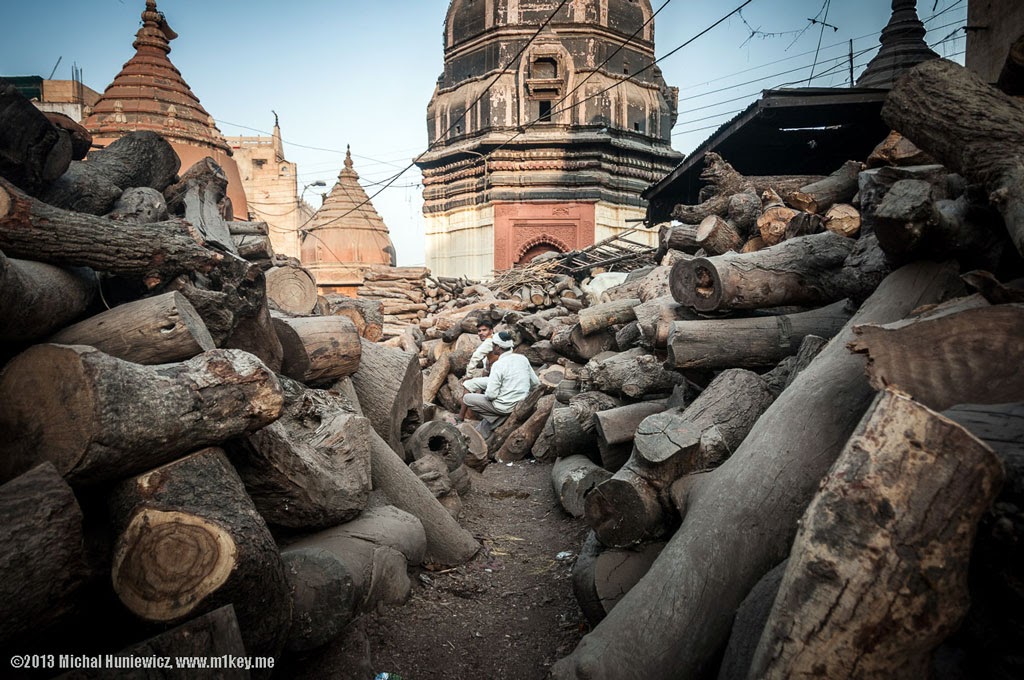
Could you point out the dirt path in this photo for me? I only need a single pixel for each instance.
(509, 614)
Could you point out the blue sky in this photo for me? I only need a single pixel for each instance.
(344, 72)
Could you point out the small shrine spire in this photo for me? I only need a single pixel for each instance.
(903, 47)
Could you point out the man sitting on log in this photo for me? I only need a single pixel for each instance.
(511, 379)
(479, 363)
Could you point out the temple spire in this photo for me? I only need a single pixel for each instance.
(903, 47)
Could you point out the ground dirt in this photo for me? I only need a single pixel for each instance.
(508, 614)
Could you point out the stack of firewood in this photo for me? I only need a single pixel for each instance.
(177, 449)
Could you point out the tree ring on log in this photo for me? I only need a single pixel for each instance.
(166, 563)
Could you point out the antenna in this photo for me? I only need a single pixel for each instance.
(55, 68)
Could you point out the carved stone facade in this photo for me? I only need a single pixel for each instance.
(580, 123)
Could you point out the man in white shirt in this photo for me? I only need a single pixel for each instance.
(511, 380)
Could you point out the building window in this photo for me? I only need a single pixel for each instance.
(544, 69)
(545, 111)
(284, 169)
(258, 163)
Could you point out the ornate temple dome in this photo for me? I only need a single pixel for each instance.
(150, 94)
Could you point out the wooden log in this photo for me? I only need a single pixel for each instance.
(157, 330)
(462, 351)
(37, 299)
(634, 373)
(310, 469)
(573, 429)
(716, 236)
(42, 552)
(291, 289)
(572, 478)
(519, 415)
(804, 224)
(750, 620)
(367, 315)
(433, 472)
(254, 247)
(318, 349)
(600, 317)
(1011, 77)
(601, 576)
(655, 316)
(447, 542)
(436, 376)
(628, 337)
(802, 271)
(390, 388)
(323, 594)
(772, 223)
(909, 478)
(476, 446)
(546, 351)
(655, 284)
(520, 442)
(619, 425)
(839, 187)
(782, 376)
(569, 341)
(744, 209)
(437, 438)
(33, 152)
(229, 296)
(979, 133)
(256, 335)
(929, 357)
(681, 237)
(240, 228)
(174, 409)
(750, 343)
(157, 252)
(897, 150)
(200, 502)
(753, 245)
(81, 139)
(566, 390)
(198, 197)
(139, 205)
(843, 219)
(739, 536)
(572, 304)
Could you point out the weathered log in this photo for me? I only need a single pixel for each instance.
(619, 425)
(447, 542)
(748, 625)
(318, 349)
(240, 228)
(573, 428)
(232, 295)
(909, 478)
(613, 455)
(521, 440)
(628, 337)
(809, 270)
(256, 248)
(310, 469)
(599, 317)
(157, 252)
(979, 132)
(33, 152)
(654, 319)
(462, 351)
(566, 390)
(753, 245)
(198, 197)
(156, 330)
(256, 335)
(367, 315)
(37, 299)
(139, 205)
(750, 343)
(783, 375)
(634, 373)
(436, 376)
(739, 536)
(569, 341)
(173, 408)
(519, 415)
(476, 446)
(716, 236)
(839, 187)
(572, 478)
(81, 139)
(1011, 77)
(323, 597)
(946, 358)
(390, 388)
(432, 471)
(601, 576)
(681, 237)
(804, 224)
(291, 289)
(200, 502)
(42, 552)
(437, 438)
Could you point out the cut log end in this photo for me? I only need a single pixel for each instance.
(5, 202)
(167, 562)
(620, 512)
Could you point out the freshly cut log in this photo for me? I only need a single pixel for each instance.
(200, 502)
(318, 349)
(76, 414)
(447, 542)
(802, 271)
(157, 252)
(198, 197)
(909, 478)
(436, 376)
(601, 575)
(37, 299)
(839, 187)
(969, 126)
(600, 317)
(551, 377)
(521, 441)
(291, 289)
(897, 150)
(716, 236)
(157, 330)
(323, 597)
(42, 552)
(738, 527)
(367, 315)
(573, 429)
(773, 221)
(843, 219)
(310, 469)
(437, 438)
(138, 159)
(946, 358)
(519, 415)
(634, 373)
(750, 343)
(33, 152)
(389, 384)
(572, 478)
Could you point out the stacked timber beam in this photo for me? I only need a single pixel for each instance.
(154, 395)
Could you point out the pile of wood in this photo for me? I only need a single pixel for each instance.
(404, 293)
(174, 453)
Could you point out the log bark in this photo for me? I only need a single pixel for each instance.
(520, 442)
(716, 236)
(157, 330)
(750, 343)
(255, 334)
(126, 418)
(519, 415)
(310, 469)
(437, 438)
(433, 472)
(33, 152)
(909, 478)
(569, 341)
(635, 373)
(573, 429)
(37, 299)
(615, 446)
(740, 536)
(979, 132)
(655, 317)
(600, 317)
(42, 552)
(291, 289)
(839, 187)
(462, 352)
(367, 315)
(946, 358)
(1011, 77)
(323, 597)
(436, 376)
(156, 252)
(897, 150)
(198, 197)
(748, 626)
(601, 576)
(140, 205)
(809, 270)
(681, 237)
(81, 139)
(390, 388)
(804, 224)
(476, 446)
(198, 501)
(572, 478)
(318, 349)
(447, 542)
